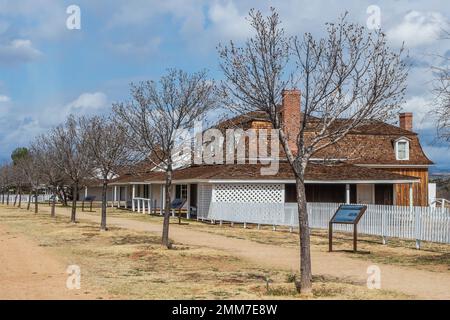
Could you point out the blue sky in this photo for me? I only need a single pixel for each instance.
(48, 71)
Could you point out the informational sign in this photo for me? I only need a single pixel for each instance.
(346, 214)
(177, 203)
(89, 198)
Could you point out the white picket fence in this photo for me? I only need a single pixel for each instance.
(417, 223)
(41, 198)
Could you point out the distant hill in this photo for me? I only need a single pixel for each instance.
(442, 185)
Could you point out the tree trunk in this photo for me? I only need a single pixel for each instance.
(104, 191)
(64, 197)
(74, 203)
(165, 233)
(305, 284)
(36, 200)
(30, 194)
(15, 197)
(20, 198)
(3, 196)
(52, 210)
(7, 198)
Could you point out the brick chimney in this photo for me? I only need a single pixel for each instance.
(290, 116)
(406, 120)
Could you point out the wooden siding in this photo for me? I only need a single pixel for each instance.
(420, 190)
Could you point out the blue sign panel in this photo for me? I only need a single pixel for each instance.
(348, 214)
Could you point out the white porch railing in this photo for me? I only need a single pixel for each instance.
(142, 205)
(417, 223)
(145, 206)
(440, 202)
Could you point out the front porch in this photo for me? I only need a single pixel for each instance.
(151, 198)
(194, 199)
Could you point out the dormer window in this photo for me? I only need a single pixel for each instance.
(402, 149)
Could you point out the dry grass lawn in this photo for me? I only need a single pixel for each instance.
(431, 257)
(132, 265)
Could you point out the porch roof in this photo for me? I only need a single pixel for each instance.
(315, 173)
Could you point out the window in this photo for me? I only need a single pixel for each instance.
(181, 191)
(402, 149)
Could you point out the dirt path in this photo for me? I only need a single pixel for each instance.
(419, 283)
(30, 272)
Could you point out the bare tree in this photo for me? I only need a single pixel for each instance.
(347, 79)
(441, 91)
(7, 177)
(5, 181)
(18, 157)
(45, 157)
(71, 156)
(18, 181)
(107, 147)
(157, 111)
(29, 170)
(3, 184)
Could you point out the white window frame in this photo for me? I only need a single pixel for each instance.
(407, 144)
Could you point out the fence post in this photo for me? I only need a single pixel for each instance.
(417, 227)
(245, 225)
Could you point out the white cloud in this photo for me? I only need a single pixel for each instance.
(141, 49)
(87, 103)
(418, 28)
(420, 106)
(4, 98)
(39, 19)
(228, 21)
(18, 128)
(18, 50)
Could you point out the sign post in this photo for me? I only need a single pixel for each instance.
(346, 214)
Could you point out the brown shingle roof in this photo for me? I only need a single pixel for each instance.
(314, 172)
(376, 149)
(371, 143)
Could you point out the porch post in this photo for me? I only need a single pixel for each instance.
(150, 196)
(188, 201)
(115, 196)
(171, 191)
(133, 194)
(119, 196)
(163, 199)
(347, 193)
(126, 197)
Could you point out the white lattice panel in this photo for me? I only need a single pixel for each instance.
(248, 193)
